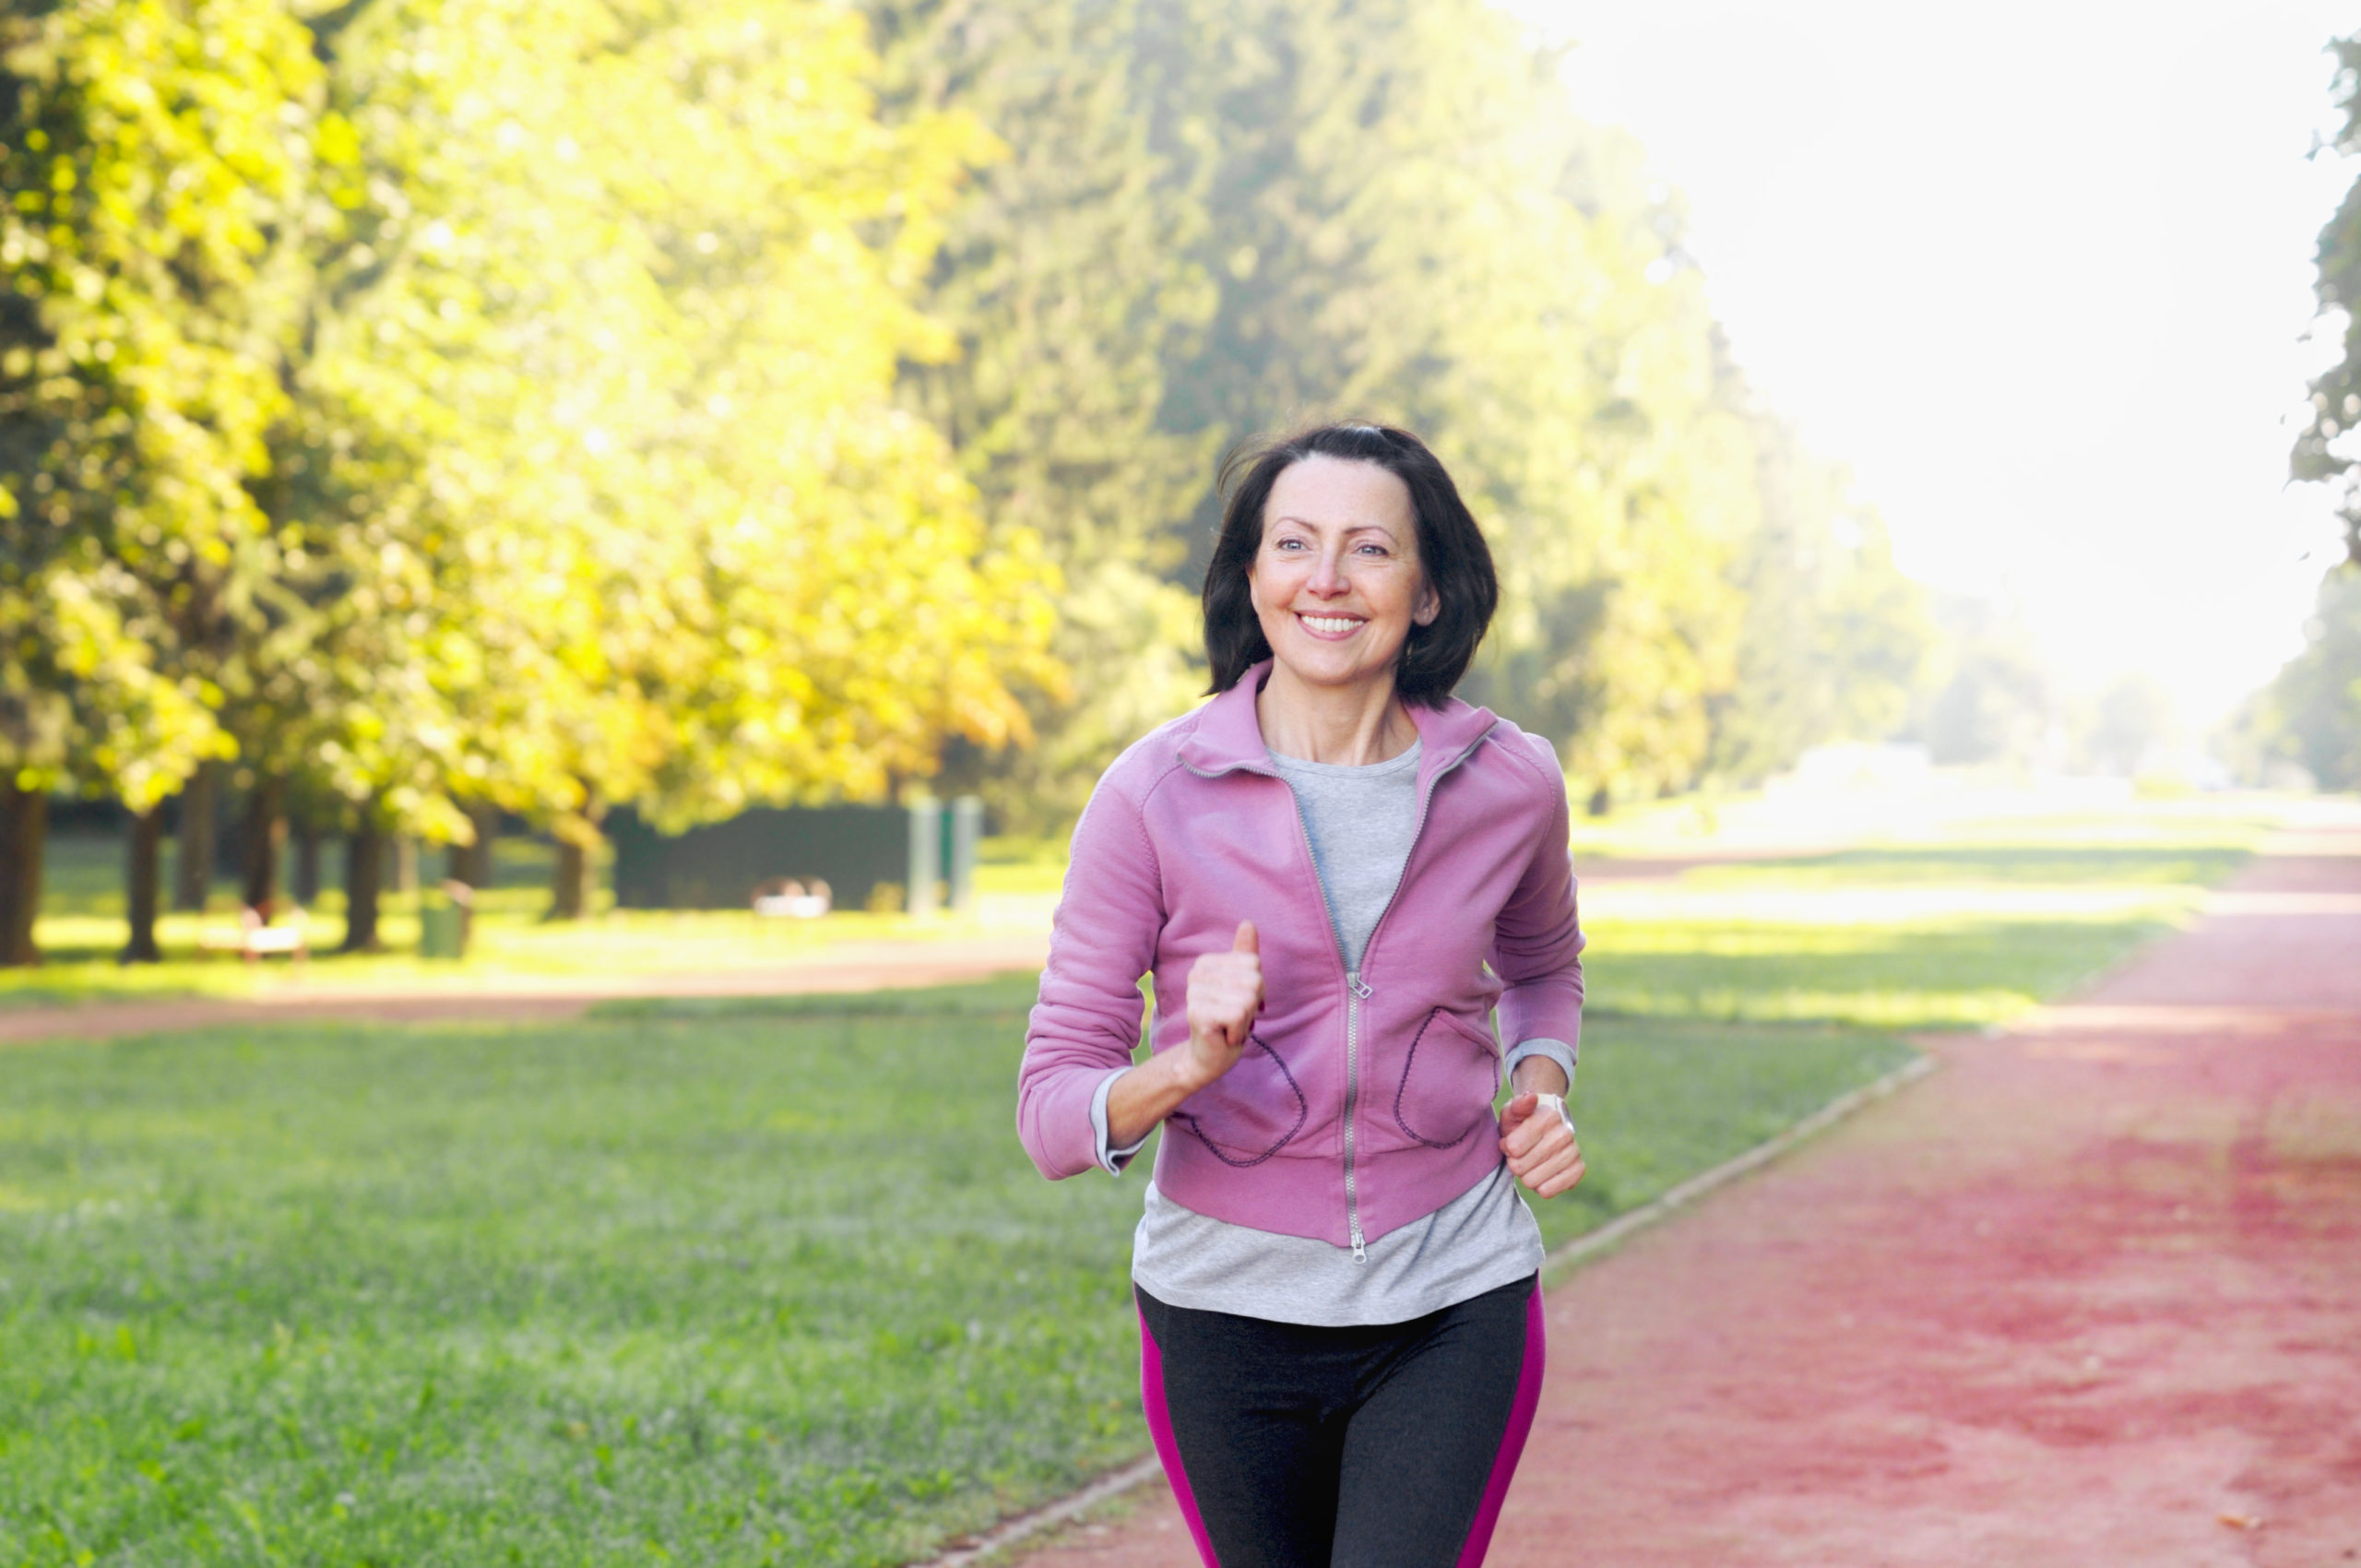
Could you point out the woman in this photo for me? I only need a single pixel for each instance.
(1332, 871)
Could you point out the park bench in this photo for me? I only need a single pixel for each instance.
(256, 938)
(786, 898)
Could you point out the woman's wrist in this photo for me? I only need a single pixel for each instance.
(1539, 1075)
(1147, 1094)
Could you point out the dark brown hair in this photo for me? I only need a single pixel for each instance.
(1451, 552)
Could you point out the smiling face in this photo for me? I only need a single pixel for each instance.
(1337, 584)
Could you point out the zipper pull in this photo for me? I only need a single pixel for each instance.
(1360, 1251)
(1353, 984)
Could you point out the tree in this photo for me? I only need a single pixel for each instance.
(2324, 451)
(1068, 280)
(2122, 727)
(1992, 701)
(1834, 641)
(2310, 713)
(151, 151)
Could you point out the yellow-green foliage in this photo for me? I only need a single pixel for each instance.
(152, 155)
(502, 409)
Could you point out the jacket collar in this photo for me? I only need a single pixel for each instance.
(1228, 733)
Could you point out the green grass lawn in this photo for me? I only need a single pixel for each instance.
(749, 1282)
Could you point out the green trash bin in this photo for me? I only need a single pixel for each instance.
(443, 922)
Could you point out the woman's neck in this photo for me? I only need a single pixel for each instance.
(1348, 726)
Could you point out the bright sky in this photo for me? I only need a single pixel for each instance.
(2041, 273)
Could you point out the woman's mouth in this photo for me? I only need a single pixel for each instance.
(1329, 627)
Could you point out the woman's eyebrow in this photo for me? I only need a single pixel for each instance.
(1349, 528)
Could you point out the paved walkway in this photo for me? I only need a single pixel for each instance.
(2091, 1295)
(845, 966)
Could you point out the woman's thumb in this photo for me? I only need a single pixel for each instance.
(1247, 940)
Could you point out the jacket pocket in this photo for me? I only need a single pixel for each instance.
(1250, 1112)
(1448, 1082)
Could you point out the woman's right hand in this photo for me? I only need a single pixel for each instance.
(1225, 996)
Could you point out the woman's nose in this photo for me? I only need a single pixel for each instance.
(1328, 574)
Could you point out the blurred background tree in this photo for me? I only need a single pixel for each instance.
(2309, 716)
(2324, 447)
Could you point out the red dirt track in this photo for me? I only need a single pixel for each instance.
(2091, 1295)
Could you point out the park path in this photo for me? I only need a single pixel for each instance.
(2092, 1294)
(841, 966)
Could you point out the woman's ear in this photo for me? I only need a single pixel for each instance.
(1429, 605)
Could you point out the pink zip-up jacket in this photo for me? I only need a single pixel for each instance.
(1364, 1100)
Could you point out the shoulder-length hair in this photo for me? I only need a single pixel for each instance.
(1451, 552)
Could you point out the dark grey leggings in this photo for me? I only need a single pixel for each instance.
(1386, 1446)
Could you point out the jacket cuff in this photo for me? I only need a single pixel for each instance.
(1557, 1051)
(1110, 1161)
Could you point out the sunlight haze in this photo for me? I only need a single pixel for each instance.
(2042, 275)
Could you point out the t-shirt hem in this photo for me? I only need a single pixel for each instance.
(1395, 1309)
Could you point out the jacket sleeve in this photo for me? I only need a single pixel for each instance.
(1537, 940)
(1086, 1021)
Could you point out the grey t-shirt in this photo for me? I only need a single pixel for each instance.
(1361, 821)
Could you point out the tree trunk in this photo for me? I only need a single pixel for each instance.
(570, 891)
(307, 863)
(1601, 802)
(265, 836)
(143, 877)
(576, 880)
(194, 875)
(472, 864)
(365, 854)
(24, 832)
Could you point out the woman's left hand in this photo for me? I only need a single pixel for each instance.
(1538, 1139)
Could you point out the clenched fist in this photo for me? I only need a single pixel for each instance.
(1539, 1138)
(1225, 995)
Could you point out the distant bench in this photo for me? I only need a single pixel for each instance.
(786, 898)
(256, 938)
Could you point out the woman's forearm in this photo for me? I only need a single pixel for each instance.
(1148, 1093)
(1534, 1075)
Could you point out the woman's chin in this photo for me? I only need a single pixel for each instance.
(1330, 668)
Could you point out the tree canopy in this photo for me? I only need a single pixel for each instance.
(554, 405)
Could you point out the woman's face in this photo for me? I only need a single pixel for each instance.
(1337, 584)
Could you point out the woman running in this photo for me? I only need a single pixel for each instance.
(1334, 871)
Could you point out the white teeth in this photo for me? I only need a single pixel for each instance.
(1330, 623)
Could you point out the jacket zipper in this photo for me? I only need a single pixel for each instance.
(1357, 991)
(1354, 991)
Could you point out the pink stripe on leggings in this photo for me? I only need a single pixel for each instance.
(1528, 1399)
(1167, 1449)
